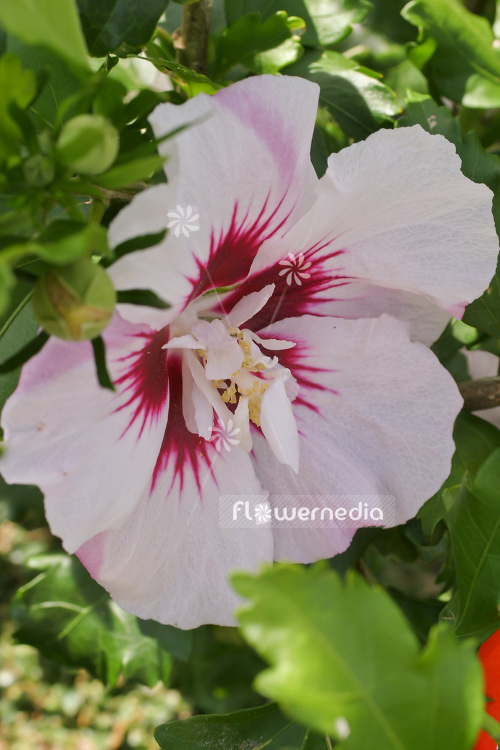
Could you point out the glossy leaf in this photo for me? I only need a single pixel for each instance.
(53, 24)
(358, 102)
(327, 21)
(17, 328)
(253, 728)
(108, 23)
(18, 87)
(474, 526)
(72, 620)
(366, 679)
(475, 440)
(129, 172)
(59, 82)
(465, 66)
(261, 46)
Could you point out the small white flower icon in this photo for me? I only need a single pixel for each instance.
(262, 513)
(294, 268)
(184, 220)
(224, 437)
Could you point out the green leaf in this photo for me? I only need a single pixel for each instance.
(72, 620)
(327, 21)
(143, 242)
(108, 23)
(464, 66)
(345, 661)
(48, 23)
(252, 728)
(100, 363)
(59, 81)
(484, 312)
(145, 297)
(245, 41)
(475, 440)
(23, 355)
(219, 675)
(17, 328)
(359, 103)
(18, 87)
(129, 172)
(474, 526)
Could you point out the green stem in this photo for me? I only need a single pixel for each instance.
(195, 30)
(97, 209)
(491, 726)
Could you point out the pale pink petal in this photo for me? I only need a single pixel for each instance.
(91, 451)
(394, 212)
(375, 414)
(242, 163)
(171, 560)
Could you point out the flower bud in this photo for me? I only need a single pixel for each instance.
(88, 144)
(74, 302)
(38, 170)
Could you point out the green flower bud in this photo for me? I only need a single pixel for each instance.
(38, 170)
(88, 144)
(74, 302)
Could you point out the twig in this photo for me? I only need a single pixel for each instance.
(192, 47)
(480, 394)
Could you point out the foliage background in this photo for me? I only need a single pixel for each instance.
(347, 663)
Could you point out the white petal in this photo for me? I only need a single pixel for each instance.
(196, 409)
(241, 423)
(278, 424)
(222, 363)
(247, 307)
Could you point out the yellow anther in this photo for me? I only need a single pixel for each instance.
(229, 395)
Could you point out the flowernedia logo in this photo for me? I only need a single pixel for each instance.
(311, 511)
(183, 220)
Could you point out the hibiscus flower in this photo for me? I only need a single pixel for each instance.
(290, 362)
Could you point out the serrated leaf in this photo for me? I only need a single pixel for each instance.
(264, 727)
(246, 41)
(108, 23)
(327, 21)
(66, 615)
(358, 102)
(361, 664)
(53, 24)
(474, 526)
(464, 66)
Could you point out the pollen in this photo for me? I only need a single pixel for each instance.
(255, 401)
(229, 395)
